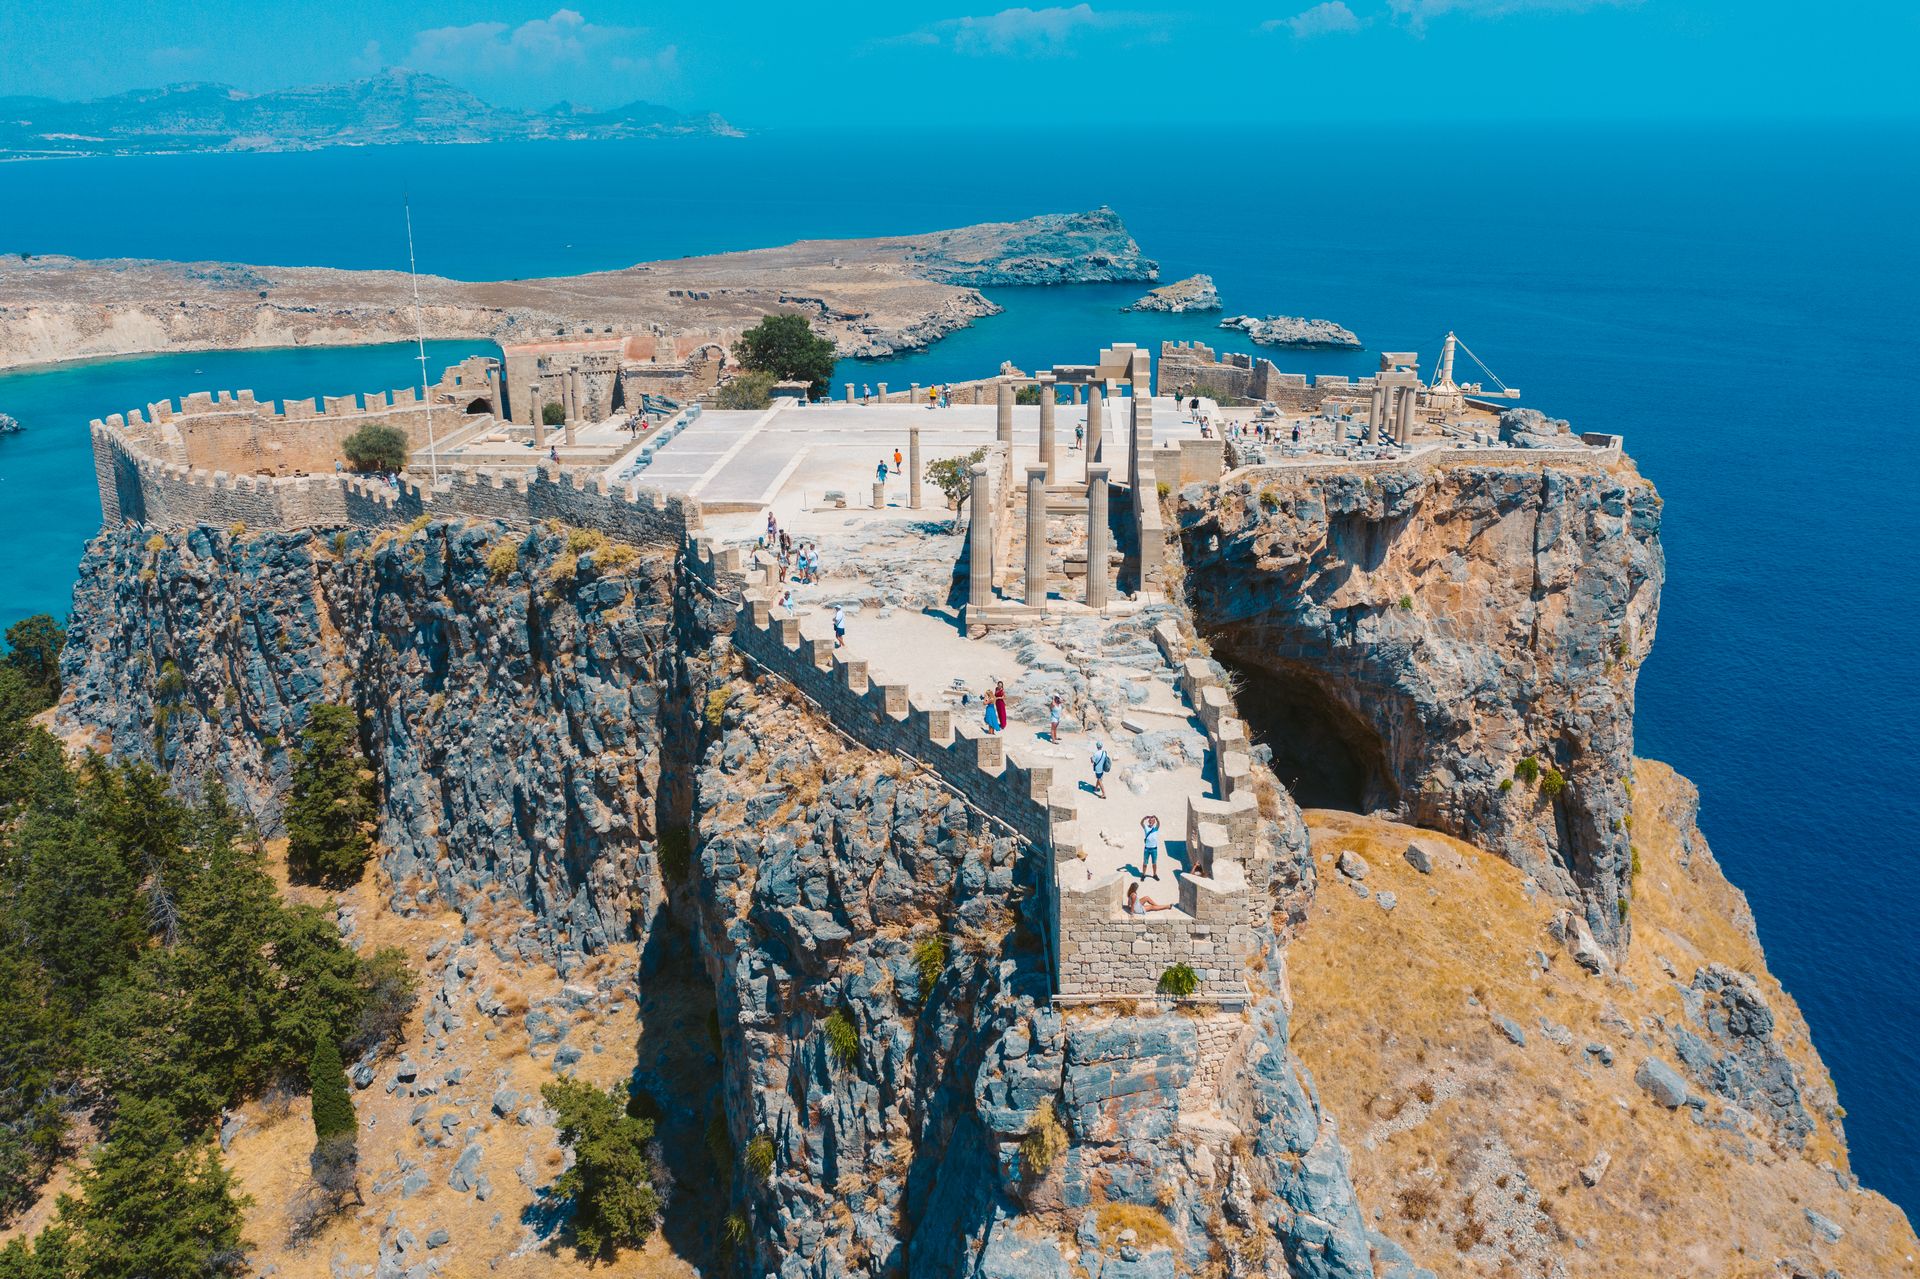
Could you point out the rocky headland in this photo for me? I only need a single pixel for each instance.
(1195, 293)
(872, 297)
(1294, 331)
(1502, 1012)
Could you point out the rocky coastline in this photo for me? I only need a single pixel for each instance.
(872, 296)
(1294, 331)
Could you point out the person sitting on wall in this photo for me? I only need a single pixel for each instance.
(1138, 905)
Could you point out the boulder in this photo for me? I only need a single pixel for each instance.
(1661, 1082)
(1353, 865)
(1418, 858)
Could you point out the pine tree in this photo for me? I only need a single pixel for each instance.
(611, 1180)
(152, 1205)
(332, 1103)
(331, 812)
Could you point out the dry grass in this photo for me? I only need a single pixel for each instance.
(1152, 1230)
(1386, 1018)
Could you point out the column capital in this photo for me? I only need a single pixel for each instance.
(1037, 471)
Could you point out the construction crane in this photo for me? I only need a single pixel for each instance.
(1445, 393)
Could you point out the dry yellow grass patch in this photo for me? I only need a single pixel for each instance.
(1393, 1015)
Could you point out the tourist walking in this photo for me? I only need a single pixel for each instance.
(1054, 708)
(1000, 702)
(896, 461)
(1150, 847)
(880, 475)
(773, 528)
(987, 714)
(839, 625)
(1079, 434)
(1102, 765)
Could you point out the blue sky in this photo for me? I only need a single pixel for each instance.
(859, 62)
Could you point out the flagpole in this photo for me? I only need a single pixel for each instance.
(420, 341)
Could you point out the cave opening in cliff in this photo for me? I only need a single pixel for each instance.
(1323, 753)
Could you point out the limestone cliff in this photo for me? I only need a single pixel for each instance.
(510, 688)
(839, 884)
(1451, 643)
(541, 710)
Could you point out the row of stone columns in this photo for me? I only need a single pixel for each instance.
(1391, 410)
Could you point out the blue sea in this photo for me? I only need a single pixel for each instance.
(1741, 305)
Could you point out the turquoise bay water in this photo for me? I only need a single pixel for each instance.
(1740, 305)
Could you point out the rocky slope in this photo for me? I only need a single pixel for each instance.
(872, 297)
(1510, 1112)
(1195, 293)
(1293, 331)
(1412, 634)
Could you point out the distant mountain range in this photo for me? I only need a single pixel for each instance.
(392, 107)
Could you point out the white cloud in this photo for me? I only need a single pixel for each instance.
(563, 41)
(1024, 32)
(1416, 13)
(1330, 18)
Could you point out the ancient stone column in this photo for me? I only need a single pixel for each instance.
(571, 427)
(579, 381)
(883, 392)
(1098, 537)
(496, 392)
(1375, 413)
(1003, 415)
(913, 463)
(980, 543)
(1037, 535)
(1408, 396)
(1096, 417)
(1046, 423)
(849, 392)
(1077, 389)
(539, 415)
(913, 396)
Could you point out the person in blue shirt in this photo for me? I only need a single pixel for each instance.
(1150, 850)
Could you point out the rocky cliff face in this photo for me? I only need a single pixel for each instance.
(1195, 293)
(1453, 644)
(511, 693)
(962, 1126)
(900, 1094)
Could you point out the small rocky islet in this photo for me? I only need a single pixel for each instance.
(1294, 331)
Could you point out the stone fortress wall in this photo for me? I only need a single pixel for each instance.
(230, 431)
(1196, 368)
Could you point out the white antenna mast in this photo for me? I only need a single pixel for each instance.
(420, 341)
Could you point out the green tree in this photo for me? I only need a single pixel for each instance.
(330, 814)
(332, 1103)
(553, 413)
(750, 390)
(611, 1180)
(376, 448)
(152, 1205)
(953, 476)
(33, 649)
(787, 347)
